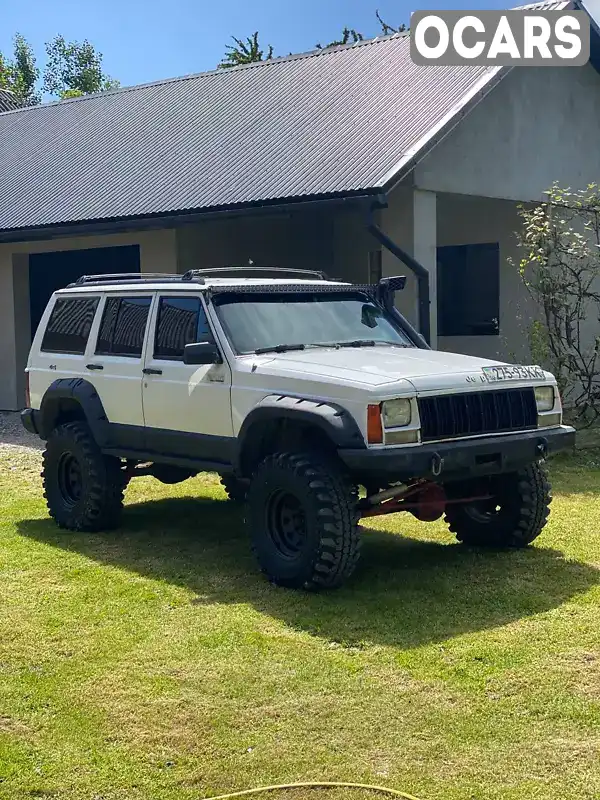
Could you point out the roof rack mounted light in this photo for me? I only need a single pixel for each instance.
(253, 272)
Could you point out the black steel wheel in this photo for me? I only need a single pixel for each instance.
(514, 516)
(83, 487)
(70, 479)
(302, 520)
(285, 523)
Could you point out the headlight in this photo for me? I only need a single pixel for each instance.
(544, 398)
(396, 413)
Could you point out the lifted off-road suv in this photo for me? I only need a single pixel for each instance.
(298, 391)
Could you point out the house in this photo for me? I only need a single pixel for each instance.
(339, 159)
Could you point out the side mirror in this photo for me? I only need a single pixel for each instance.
(201, 353)
(370, 315)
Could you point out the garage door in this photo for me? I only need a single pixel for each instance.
(51, 271)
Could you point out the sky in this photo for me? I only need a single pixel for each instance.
(146, 40)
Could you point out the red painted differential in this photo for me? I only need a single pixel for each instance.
(429, 503)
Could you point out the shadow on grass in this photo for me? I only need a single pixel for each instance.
(405, 593)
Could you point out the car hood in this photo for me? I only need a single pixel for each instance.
(375, 366)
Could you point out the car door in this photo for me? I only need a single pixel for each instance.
(187, 408)
(114, 363)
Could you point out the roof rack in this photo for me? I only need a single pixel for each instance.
(124, 276)
(128, 277)
(253, 272)
(197, 275)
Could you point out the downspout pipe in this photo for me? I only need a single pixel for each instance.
(418, 270)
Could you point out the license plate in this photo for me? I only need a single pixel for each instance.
(513, 373)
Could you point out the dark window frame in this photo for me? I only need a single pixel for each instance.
(201, 310)
(120, 298)
(74, 299)
(457, 322)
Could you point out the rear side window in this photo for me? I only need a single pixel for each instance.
(69, 325)
(123, 326)
(181, 321)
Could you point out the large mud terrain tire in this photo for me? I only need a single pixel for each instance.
(83, 488)
(235, 489)
(514, 517)
(303, 521)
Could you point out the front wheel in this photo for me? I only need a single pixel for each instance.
(235, 489)
(514, 516)
(303, 522)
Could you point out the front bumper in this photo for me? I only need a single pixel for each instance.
(443, 461)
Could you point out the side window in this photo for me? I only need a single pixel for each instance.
(69, 325)
(181, 321)
(468, 290)
(123, 326)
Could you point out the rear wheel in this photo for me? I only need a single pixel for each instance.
(83, 487)
(514, 516)
(303, 522)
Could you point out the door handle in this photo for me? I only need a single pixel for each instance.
(150, 371)
(94, 366)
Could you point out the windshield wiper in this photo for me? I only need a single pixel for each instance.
(279, 348)
(363, 343)
(356, 343)
(393, 344)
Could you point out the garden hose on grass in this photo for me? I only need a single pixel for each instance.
(316, 785)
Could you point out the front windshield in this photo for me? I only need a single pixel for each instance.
(262, 322)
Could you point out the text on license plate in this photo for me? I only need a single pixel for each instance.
(513, 373)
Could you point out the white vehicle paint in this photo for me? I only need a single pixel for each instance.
(216, 399)
(296, 395)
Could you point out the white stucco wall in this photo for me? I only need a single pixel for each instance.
(480, 220)
(303, 240)
(537, 126)
(351, 245)
(158, 253)
(419, 221)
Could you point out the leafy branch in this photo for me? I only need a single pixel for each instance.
(561, 271)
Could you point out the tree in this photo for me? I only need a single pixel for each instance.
(74, 69)
(351, 36)
(245, 52)
(386, 29)
(20, 75)
(561, 270)
(249, 51)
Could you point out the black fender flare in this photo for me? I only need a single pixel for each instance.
(85, 395)
(335, 421)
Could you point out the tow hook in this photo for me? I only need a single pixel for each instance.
(542, 449)
(437, 464)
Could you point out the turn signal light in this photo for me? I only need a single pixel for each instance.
(374, 426)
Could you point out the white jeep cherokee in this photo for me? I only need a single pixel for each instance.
(297, 390)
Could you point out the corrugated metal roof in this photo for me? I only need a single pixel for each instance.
(7, 100)
(329, 122)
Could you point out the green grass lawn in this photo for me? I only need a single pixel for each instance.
(155, 662)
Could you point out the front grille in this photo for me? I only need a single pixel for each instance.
(475, 413)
